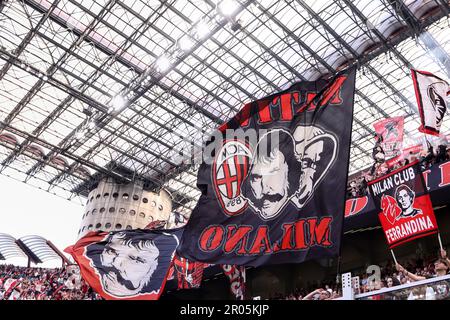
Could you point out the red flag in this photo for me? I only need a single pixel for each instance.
(391, 131)
(236, 274)
(406, 209)
(189, 273)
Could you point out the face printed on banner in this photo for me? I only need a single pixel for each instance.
(129, 264)
(270, 181)
(311, 145)
(310, 159)
(287, 167)
(405, 199)
(437, 101)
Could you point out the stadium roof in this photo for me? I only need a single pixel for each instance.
(89, 87)
(36, 248)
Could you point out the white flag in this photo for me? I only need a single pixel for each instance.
(431, 92)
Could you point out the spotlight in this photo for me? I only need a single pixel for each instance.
(118, 102)
(228, 7)
(163, 64)
(202, 29)
(185, 43)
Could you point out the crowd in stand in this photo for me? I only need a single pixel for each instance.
(20, 283)
(358, 187)
(391, 275)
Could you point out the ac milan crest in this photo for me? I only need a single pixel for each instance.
(229, 170)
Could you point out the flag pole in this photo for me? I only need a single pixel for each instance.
(393, 256)
(338, 269)
(440, 241)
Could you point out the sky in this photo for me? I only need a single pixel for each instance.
(26, 210)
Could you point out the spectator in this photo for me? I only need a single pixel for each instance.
(19, 283)
(442, 155)
(441, 268)
(318, 294)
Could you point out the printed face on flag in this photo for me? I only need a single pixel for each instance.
(286, 168)
(126, 264)
(272, 164)
(129, 265)
(406, 210)
(405, 197)
(431, 92)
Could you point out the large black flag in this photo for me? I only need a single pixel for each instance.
(274, 190)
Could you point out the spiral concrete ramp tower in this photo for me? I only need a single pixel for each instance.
(112, 206)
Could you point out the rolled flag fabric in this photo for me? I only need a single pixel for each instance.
(128, 264)
(236, 275)
(431, 92)
(189, 273)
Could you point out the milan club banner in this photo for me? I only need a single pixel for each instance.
(431, 92)
(407, 212)
(273, 190)
(236, 275)
(391, 131)
(127, 265)
(189, 273)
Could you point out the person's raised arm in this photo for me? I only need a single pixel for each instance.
(408, 274)
(310, 295)
(444, 256)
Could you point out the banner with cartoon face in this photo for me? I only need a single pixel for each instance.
(273, 179)
(406, 209)
(127, 265)
(431, 94)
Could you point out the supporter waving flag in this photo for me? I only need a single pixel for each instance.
(236, 275)
(10, 286)
(406, 210)
(273, 179)
(431, 92)
(130, 264)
